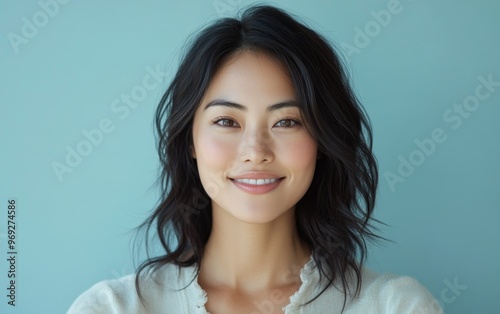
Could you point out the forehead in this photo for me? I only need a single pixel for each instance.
(251, 78)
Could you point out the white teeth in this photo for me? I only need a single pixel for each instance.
(257, 181)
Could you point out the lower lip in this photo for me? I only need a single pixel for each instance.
(257, 189)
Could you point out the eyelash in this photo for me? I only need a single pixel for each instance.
(218, 119)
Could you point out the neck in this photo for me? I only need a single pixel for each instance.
(252, 256)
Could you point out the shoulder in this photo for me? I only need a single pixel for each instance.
(391, 293)
(108, 296)
(120, 295)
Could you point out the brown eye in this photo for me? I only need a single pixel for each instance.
(287, 123)
(224, 122)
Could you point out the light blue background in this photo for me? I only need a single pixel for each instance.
(71, 234)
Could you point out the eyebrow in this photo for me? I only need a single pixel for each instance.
(230, 104)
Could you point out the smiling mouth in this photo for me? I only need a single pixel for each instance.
(257, 181)
(257, 186)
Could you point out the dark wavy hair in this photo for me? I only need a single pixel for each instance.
(334, 215)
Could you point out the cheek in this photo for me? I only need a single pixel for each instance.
(213, 150)
(213, 157)
(300, 154)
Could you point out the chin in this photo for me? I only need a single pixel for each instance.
(253, 215)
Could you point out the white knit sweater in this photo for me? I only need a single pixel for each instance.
(380, 293)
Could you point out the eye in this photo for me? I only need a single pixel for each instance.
(225, 122)
(287, 123)
(230, 123)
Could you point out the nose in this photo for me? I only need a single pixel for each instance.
(256, 147)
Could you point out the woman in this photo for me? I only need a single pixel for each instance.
(269, 184)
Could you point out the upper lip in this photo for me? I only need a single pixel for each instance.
(257, 175)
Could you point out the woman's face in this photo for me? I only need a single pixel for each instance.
(255, 157)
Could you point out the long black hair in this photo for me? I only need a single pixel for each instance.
(334, 216)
